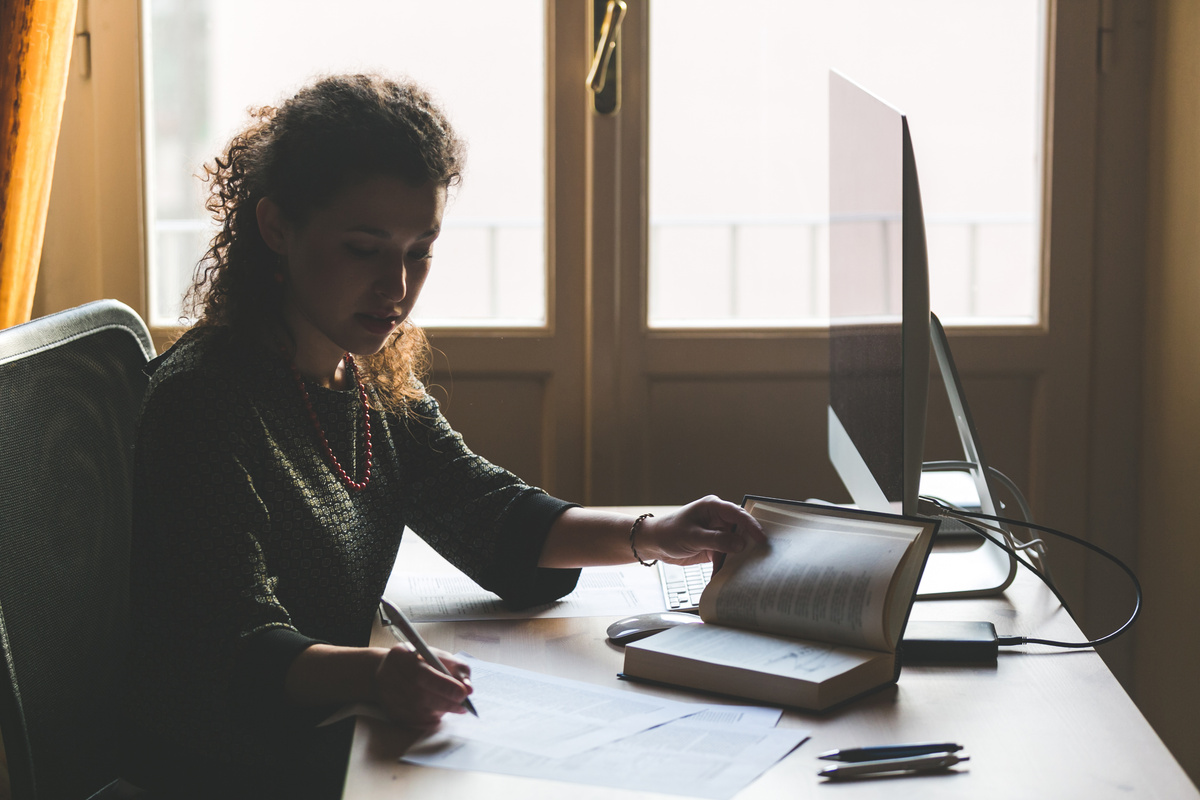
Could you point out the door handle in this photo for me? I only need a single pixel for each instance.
(606, 97)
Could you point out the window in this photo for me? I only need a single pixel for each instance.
(211, 60)
(739, 142)
(604, 384)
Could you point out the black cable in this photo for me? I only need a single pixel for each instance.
(1008, 641)
(1017, 496)
(954, 510)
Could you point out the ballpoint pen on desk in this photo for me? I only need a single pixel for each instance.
(926, 763)
(885, 751)
(398, 622)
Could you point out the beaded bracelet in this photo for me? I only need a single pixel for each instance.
(637, 523)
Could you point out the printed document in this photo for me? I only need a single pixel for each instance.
(759, 716)
(440, 593)
(601, 592)
(553, 717)
(691, 756)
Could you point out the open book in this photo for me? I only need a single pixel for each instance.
(810, 620)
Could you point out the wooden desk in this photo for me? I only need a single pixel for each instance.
(1042, 723)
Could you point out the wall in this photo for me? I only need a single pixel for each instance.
(1168, 636)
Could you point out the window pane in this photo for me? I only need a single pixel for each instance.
(210, 60)
(739, 143)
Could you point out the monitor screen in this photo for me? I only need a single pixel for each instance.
(878, 302)
(880, 334)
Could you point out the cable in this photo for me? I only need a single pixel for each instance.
(1011, 547)
(1037, 547)
(966, 466)
(1018, 640)
(1023, 506)
(1009, 641)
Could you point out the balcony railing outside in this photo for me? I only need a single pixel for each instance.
(705, 272)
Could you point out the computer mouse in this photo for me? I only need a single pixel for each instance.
(639, 626)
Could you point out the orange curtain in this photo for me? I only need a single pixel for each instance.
(36, 38)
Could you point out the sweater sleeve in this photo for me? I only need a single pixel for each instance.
(480, 517)
(210, 635)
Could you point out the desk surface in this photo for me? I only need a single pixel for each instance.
(1041, 723)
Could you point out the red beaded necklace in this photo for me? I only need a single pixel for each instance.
(351, 484)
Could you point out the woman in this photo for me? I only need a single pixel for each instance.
(286, 441)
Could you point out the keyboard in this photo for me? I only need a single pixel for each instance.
(956, 529)
(682, 585)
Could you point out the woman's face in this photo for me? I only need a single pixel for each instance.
(354, 269)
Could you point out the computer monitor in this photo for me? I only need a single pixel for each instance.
(880, 335)
(878, 302)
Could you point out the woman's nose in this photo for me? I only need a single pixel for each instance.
(393, 285)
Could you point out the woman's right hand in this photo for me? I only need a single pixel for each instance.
(415, 693)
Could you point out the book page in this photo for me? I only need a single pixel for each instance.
(814, 662)
(822, 576)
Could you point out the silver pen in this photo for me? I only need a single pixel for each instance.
(398, 622)
(884, 751)
(911, 764)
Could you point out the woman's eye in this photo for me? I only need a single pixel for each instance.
(361, 252)
(421, 255)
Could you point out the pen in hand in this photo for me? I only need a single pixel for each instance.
(398, 622)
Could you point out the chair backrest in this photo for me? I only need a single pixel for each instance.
(71, 386)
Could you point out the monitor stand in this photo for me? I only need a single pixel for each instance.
(966, 566)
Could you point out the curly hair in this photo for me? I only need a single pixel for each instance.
(333, 133)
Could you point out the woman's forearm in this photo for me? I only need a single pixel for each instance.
(407, 689)
(328, 675)
(582, 537)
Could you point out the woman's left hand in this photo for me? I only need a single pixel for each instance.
(703, 530)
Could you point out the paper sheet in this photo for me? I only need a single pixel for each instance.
(686, 756)
(755, 716)
(758, 716)
(553, 717)
(601, 592)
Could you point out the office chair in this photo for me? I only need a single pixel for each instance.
(71, 387)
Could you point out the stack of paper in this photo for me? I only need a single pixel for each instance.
(601, 592)
(540, 726)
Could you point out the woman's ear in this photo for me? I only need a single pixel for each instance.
(271, 225)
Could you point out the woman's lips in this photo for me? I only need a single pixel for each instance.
(377, 325)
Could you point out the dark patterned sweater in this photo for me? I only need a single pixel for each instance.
(247, 549)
